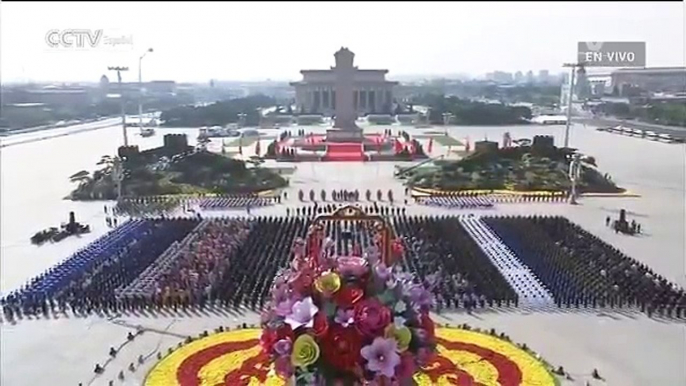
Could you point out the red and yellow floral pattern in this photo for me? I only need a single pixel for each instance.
(464, 357)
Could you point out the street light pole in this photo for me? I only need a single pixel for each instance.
(119, 70)
(446, 121)
(140, 89)
(573, 66)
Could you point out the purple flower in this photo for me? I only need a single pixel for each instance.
(345, 317)
(280, 292)
(372, 255)
(382, 272)
(381, 356)
(302, 313)
(420, 297)
(283, 347)
(285, 307)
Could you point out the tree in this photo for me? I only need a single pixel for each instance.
(108, 162)
(81, 177)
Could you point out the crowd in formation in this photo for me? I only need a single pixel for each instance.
(192, 268)
(441, 246)
(457, 202)
(238, 201)
(88, 280)
(191, 262)
(579, 269)
(316, 209)
(343, 195)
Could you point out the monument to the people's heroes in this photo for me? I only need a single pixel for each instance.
(345, 112)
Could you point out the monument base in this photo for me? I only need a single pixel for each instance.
(347, 135)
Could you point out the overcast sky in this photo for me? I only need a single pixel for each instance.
(199, 41)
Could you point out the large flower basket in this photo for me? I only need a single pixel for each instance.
(348, 320)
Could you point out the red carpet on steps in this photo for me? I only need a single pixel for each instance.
(344, 152)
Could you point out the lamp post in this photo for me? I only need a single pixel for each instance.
(574, 176)
(119, 70)
(573, 66)
(446, 121)
(140, 89)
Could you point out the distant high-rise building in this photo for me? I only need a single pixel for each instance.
(530, 77)
(653, 79)
(543, 76)
(582, 86)
(499, 76)
(519, 77)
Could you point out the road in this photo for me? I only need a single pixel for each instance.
(677, 132)
(42, 135)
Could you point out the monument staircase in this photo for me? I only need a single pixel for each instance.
(529, 288)
(344, 151)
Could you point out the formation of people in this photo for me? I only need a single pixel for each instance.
(440, 247)
(580, 269)
(458, 202)
(88, 281)
(317, 209)
(345, 195)
(236, 201)
(148, 264)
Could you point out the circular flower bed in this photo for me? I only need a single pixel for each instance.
(463, 357)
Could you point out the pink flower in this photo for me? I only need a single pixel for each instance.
(352, 266)
(371, 317)
(381, 356)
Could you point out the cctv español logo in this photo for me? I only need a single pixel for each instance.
(88, 39)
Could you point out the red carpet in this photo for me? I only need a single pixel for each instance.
(352, 152)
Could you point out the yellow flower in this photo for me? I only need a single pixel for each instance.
(305, 351)
(328, 283)
(402, 336)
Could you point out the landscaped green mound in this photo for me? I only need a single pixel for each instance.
(165, 171)
(523, 168)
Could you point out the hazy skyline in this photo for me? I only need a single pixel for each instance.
(196, 42)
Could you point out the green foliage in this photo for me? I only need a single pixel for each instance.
(467, 112)
(673, 114)
(668, 114)
(153, 173)
(523, 168)
(219, 113)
